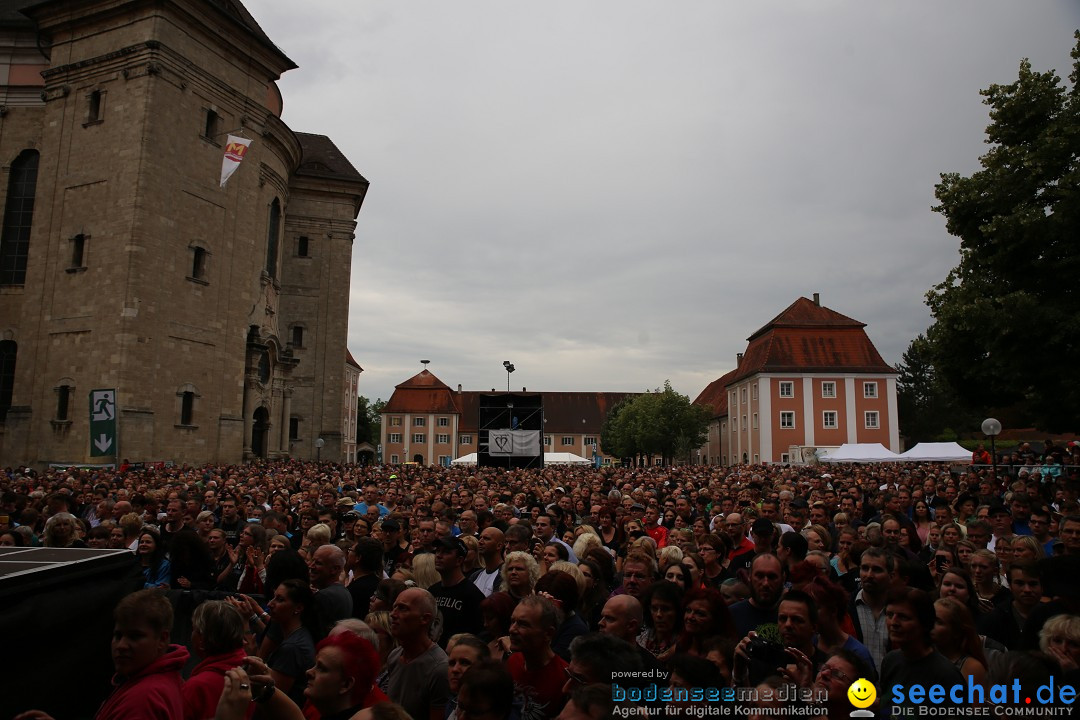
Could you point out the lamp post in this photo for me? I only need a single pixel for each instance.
(318, 449)
(991, 427)
(509, 367)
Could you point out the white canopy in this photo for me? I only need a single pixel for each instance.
(861, 453)
(562, 458)
(937, 452)
(565, 458)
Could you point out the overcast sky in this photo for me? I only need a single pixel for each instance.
(614, 193)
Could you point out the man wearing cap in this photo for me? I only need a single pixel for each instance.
(457, 599)
(395, 549)
(1001, 522)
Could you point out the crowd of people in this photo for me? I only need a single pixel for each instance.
(434, 593)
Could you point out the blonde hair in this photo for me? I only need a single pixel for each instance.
(573, 571)
(669, 555)
(319, 533)
(585, 542)
(1067, 626)
(424, 573)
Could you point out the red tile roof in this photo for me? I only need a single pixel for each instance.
(715, 395)
(422, 393)
(350, 360)
(808, 338)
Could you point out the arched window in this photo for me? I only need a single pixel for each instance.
(8, 351)
(18, 218)
(272, 233)
(64, 393)
(188, 396)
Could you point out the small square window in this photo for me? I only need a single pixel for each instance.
(443, 439)
(829, 420)
(787, 389)
(828, 389)
(869, 389)
(419, 438)
(567, 440)
(393, 459)
(394, 438)
(395, 422)
(444, 422)
(465, 440)
(547, 440)
(418, 422)
(787, 420)
(872, 420)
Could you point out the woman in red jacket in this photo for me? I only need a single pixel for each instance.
(217, 636)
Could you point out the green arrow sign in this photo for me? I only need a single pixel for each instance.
(103, 423)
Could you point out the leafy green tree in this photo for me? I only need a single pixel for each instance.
(1007, 318)
(369, 420)
(928, 407)
(663, 422)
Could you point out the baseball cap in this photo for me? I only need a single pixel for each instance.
(390, 525)
(999, 510)
(762, 527)
(452, 543)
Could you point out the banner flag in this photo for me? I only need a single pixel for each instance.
(235, 150)
(517, 443)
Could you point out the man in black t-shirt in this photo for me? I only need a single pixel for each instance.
(366, 575)
(457, 599)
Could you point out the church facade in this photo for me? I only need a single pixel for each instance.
(217, 313)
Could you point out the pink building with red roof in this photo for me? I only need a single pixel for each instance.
(809, 378)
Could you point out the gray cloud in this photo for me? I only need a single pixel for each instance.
(614, 193)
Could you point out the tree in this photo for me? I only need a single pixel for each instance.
(369, 420)
(662, 422)
(928, 407)
(1007, 318)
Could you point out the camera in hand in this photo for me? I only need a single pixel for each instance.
(765, 656)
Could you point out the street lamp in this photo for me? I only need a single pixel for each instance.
(991, 427)
(509, 367)
(318, 449)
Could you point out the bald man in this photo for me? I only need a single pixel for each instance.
(622, 617)
(332, 601)
(487, 577)
(416, 669)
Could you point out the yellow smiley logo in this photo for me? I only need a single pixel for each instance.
(862, 693)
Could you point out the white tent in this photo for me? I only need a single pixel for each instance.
(861, 453)
(563, 458)
(938, 452)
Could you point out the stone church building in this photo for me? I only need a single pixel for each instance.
(218, 314)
